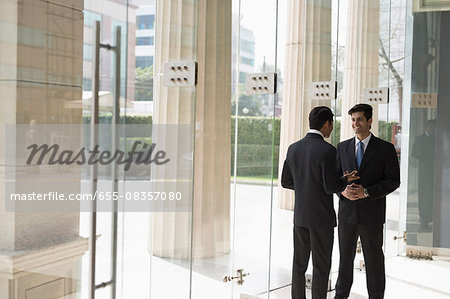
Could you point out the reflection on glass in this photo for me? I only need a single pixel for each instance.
(256, 120)
(421, 171)
(423, 150)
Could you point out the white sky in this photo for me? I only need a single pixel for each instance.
(260, 17)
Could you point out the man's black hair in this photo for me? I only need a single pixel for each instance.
(367, 109)
(319, 116)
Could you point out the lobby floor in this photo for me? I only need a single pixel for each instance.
(413, 285)
(144, 276)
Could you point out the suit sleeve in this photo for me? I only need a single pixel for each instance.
(338, 162)
(332, 182)
(391, 176)
(287, 180)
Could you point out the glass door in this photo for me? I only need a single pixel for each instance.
(391, 74)
(143, 240)
(424, 189)
(421, 173)
(157, 241)
(255, 143)
(105, 62)
(369, 53)
(243, 231)
(426, 172)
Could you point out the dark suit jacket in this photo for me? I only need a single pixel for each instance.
(379, 174)
(310, 169)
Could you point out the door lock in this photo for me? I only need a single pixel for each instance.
(240, 277)
(399, 238)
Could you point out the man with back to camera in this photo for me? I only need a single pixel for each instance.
(362, 205)
(310, 169)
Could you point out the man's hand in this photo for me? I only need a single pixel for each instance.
(351, 176)
(354, 192)
(348, 193)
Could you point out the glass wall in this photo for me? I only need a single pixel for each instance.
(254, 124)
(427, 199)
(41, 50)
(231, 234)
(421, 172)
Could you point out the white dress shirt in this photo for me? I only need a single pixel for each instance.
(315, 132)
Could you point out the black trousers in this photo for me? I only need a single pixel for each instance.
(319, 241)
(372, 246)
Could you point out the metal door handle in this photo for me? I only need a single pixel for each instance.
(240, 277)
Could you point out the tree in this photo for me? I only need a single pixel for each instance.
(394, 73)
(392, 48)
(144, 84)
(248, 105)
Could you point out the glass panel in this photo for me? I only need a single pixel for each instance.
(384, 44)
(256, 122)
(422, 130)
(425, 128)
(339, 27)
(281, 228)
(153, 251)
(155, 247)
(371, 38)
(109, 21)
(40, 83)
(317, 58)
(392, 69)
(441, 207)
(338, 44)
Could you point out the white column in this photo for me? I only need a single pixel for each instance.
(361, 59)
(308, 59)
(180, 37)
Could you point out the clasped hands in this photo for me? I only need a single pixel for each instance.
(351, 176)
(353, 191)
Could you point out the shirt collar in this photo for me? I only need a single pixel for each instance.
(315, 132)
(365, 140)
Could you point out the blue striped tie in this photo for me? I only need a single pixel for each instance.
(359, 154)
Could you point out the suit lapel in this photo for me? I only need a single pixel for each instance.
(370, 151)
(350, 153)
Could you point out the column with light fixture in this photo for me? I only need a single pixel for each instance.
(308, 59)
(361, 59)
(182, 34)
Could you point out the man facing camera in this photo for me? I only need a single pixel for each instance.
(310, 169)
(362, 205)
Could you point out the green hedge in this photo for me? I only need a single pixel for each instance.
(254, 150)
(336, 134)
(255, 130)
(384, 131)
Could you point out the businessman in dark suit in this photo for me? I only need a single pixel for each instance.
(310, 169)
(362, 205)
